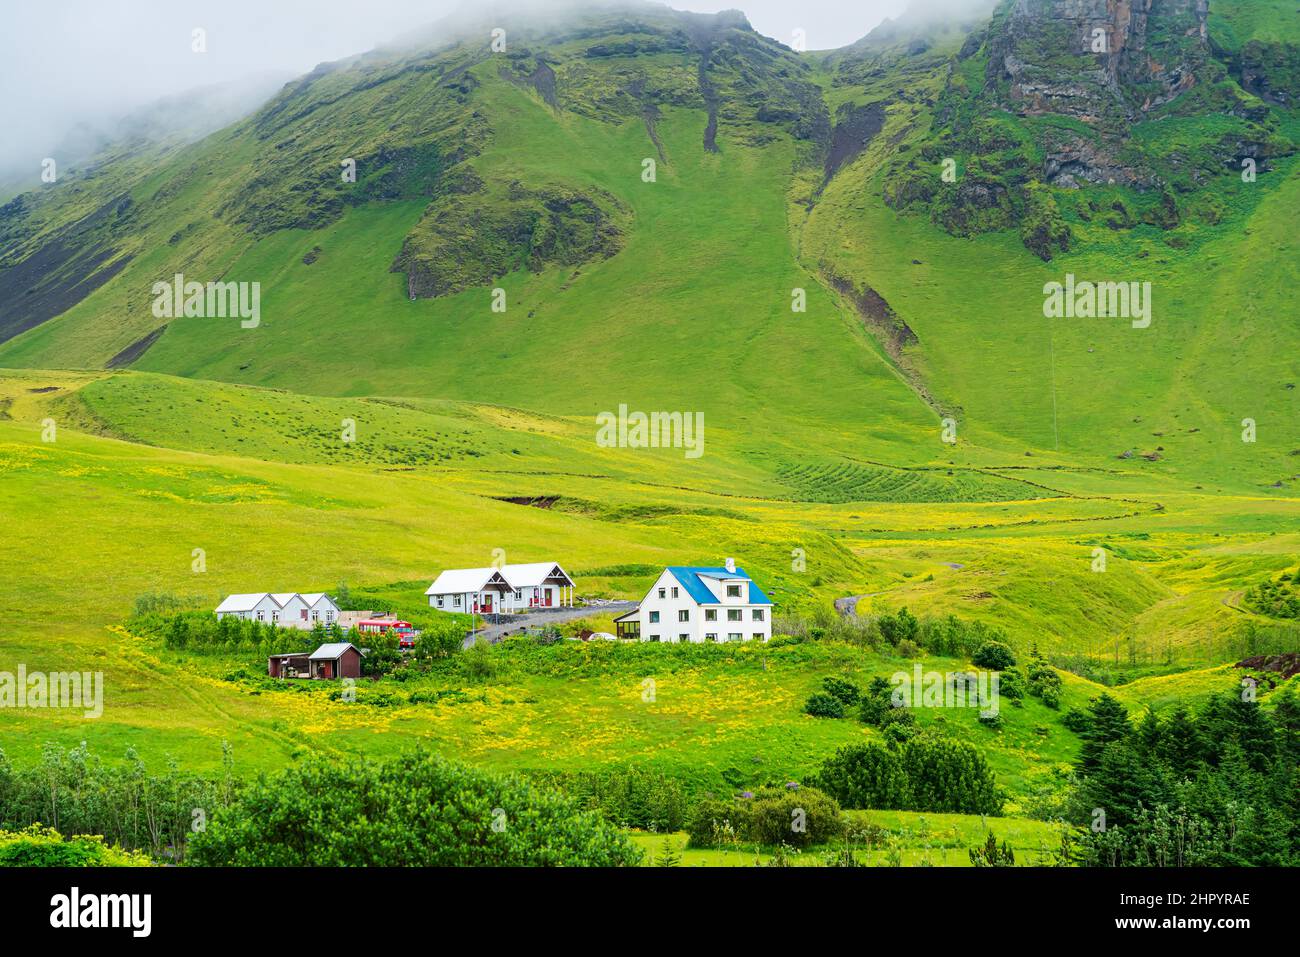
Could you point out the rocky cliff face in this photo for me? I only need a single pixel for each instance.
(1096, 71)
(1101, 61)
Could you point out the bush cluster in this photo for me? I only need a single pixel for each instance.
(771, 816)
(924, 773)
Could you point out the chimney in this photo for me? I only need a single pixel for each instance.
(731, 565)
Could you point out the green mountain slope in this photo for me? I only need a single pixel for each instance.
(778, 176)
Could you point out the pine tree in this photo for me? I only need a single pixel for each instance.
(1183, 748)
(669, 856)
(990, 855)
(1286, 718)
(1107, 722)
(1150, 736)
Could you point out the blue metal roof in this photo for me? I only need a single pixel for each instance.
(690, 579)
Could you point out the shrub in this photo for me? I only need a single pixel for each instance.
(899, 733)
(1077, 720)
(994, 655)
(771, 816)
(841, 688)
(899, 627)
(822, 705)
(950, 776)
(865, 776)
(38, 846)
(75, 792)
(926, 773)
(1011, 684)
(628, 797)
(478, 662)
(898, 717)
(1045, 683)
(877, 702)
(992, 855)
(416, 809)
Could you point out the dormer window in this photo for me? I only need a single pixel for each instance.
(733, 591)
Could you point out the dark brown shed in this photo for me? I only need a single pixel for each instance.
(340, 659)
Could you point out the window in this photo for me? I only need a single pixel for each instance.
(758, 636)
(710, 614)
(654, 637)
(315, 615)
(456, 601)
(734, 614)
(260, 613)
(675, 592)
(758, 614)
(329, 615)
(518, 594)
(735, 636)
(440, 601)
(683, 638)
(711, 636)
(663, 593)
(654, 617)
(275, 616)
(733, 591)
(684, 614)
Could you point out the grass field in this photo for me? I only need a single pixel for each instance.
(303, 511)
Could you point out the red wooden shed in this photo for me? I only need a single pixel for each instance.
(340, 659)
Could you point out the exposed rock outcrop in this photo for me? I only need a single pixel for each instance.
(1100, 61)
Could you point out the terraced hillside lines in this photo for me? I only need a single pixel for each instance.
(853, 482)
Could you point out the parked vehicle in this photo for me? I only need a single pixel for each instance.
(405, 631)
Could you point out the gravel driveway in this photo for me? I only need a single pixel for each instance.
(546, 616)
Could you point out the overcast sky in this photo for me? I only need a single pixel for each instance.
(77, 61)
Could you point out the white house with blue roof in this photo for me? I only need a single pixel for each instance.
(700, 604)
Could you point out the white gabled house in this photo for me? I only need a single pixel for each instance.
(285, 609)
(292, 609)
(320, 607)
(509, 589)
(539, 585)
(257, 607)
(690, 604)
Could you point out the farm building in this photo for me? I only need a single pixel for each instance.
(339, 659)
(689, 604)
(285, 609)
(294, 665)
(509, 589)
